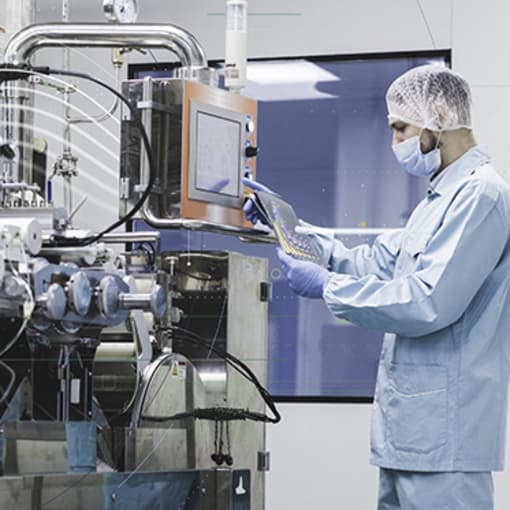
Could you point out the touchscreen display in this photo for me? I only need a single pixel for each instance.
(217, 156)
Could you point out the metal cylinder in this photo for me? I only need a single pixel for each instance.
(155, 302)
(15, 15)
(177, 40)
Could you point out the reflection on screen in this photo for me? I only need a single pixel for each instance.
(218, 153)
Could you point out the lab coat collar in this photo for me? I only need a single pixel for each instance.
(470, 161)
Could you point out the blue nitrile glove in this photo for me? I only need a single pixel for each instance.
(305, 278)
(249, 208)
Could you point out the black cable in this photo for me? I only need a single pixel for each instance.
(214, 413)
(135, 115)
(151, 251)
(224, 355)
(237, 365)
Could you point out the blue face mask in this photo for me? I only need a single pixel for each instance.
(412, 159)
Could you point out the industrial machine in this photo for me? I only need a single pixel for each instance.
(131, 379)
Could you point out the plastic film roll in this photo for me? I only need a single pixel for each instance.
(116, 351)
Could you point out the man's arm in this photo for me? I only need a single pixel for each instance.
(449, 271)
(377, 259)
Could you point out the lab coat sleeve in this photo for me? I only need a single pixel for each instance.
(377, 259)
(448, 272)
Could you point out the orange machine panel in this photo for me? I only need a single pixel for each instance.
(197, 209)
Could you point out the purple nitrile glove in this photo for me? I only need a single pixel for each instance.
(306, 279)
(249, 208)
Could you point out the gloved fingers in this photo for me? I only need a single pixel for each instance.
(257, 186)
(284, 258)
(248, 206)
(250, 211)
(219, 185)
(285, 261)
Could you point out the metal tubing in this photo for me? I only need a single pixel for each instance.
(135, 301)
(131, 237)
(28, 41)
(177, 40)
(244, 233)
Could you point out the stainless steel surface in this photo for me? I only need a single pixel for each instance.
(147, 376)
(22, 46)
(165, 490)
(208, 76)
(170, 385)
(80, 254)
(177, 40)
(131, 237)
(155, 301)
(230, 314)
(208, 226)
(34, 447)
(14, 15)
(142, 338)
(247, 330)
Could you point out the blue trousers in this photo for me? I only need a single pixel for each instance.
(411, 490)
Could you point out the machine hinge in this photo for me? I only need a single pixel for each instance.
(266, 292)
(263, 461)
(124, 188)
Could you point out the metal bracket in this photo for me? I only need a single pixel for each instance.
(153, 105)
(124, 188)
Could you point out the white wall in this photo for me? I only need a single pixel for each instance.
(320, 452)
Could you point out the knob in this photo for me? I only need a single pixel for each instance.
(54, 301)
(108, 297)
(250, 125)
(155, 302)
(79, 293)
(251, 151)
(7, 151)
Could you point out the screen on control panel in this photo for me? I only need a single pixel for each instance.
(217, 154)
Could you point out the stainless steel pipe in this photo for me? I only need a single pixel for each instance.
(183, 44)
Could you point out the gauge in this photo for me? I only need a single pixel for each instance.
(120, 11)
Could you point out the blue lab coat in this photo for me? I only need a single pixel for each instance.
(440, 289)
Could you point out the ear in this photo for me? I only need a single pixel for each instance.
(443, 113)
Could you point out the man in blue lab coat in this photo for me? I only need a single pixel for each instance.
(439, 288)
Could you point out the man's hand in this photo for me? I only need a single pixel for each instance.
(305, 278)
(249, 208)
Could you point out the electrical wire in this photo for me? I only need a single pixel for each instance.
(223, 413)
(8, 390)
(27, 318)
(15, 338)
(220, 319)
(135, 115)
(67, 489)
